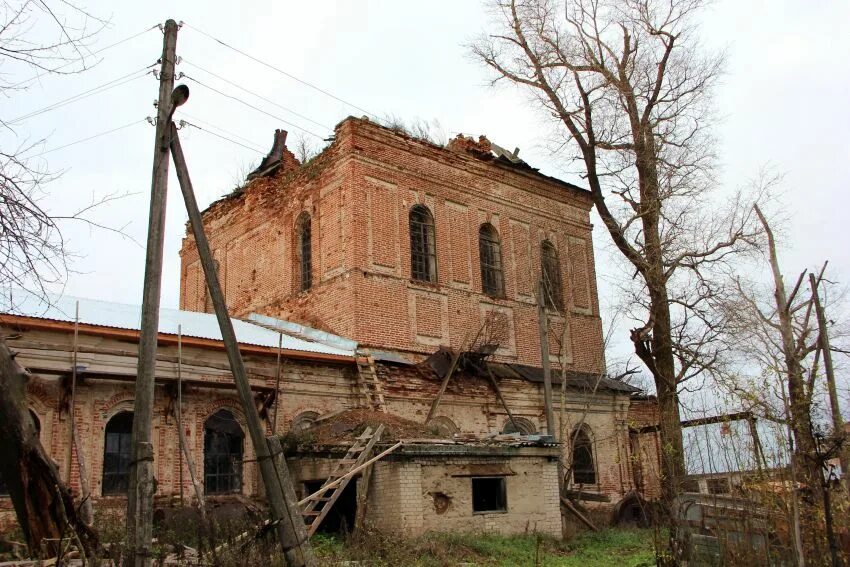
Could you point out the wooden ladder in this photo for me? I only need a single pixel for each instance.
(367, 379)
(322, 501)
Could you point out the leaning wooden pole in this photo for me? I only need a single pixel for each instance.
(543, 320)
(837, 419)
(281, 495)
(181, 434)
(142, 482)
(85, 493)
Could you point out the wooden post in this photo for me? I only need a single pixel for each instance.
(500, 397)
(284, 510)
(277, 383)
(181, 433)
(85, 493)
(436, 402)
(543, 319)
(823, 338)
(142, 482)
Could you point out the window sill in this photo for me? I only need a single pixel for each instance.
(489, 512)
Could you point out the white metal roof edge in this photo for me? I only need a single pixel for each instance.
(127, 316)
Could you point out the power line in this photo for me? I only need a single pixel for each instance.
(74, 143)
(281, 71)
(261, 97)
(101, 50)
(249, 105)
(210, 125)
(223, 137)
(85, 94)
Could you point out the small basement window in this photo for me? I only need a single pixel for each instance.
(489, 494)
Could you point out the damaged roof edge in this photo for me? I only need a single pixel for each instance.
(302, 332)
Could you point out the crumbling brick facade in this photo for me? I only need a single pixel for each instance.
(358, 195)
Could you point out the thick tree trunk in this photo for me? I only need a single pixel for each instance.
(43, 504)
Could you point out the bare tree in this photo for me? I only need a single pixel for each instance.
(629, 90)
(775, 329)
(43, 38)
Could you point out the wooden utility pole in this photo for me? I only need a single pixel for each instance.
(286, 516)
(543, 319)
(837, 419)
(142, 482)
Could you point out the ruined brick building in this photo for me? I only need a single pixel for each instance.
(387, 244)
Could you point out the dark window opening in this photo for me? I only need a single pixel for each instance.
(489, 494)
(340, 518)
(304, 252)
(584, 471)
(116, 453)
(553, 294)
(490, 252)
(223, 450)
(423, 245)
(718, 485)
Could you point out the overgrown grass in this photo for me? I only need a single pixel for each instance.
(621, 548)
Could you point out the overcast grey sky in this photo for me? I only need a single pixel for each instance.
(784, 102)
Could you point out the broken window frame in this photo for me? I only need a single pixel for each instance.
(224, 450)
(480, 483)
(583, 465)
(490, 257)
(550, 268)
(117, 454)
(304, 252)
(423, 245)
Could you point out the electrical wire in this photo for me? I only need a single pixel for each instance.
(101, 50)
(210, 125)
(223, 137)
(249, 105)
(259, 96)
(281, 71)
(74, 143)
(109, 85)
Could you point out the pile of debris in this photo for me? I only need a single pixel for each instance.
(343, 427)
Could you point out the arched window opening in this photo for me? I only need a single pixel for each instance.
(490, 251)
(304, 252)
(442, 425)
(223, 450)
(303, 421)
(423, 245)
(523, 426)
(116, 453)
(584, 472)
(553, 292)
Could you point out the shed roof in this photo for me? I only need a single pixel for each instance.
(125, 316)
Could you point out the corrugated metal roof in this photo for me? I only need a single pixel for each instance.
(125, 316)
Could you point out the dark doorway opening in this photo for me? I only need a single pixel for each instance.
(340, 519)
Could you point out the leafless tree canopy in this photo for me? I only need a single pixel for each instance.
(37, 38)
(629, 90)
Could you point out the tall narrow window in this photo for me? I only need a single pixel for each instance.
(490, 251)
(223, 450)
(304, 252)
(584, 472)
(116, 453)
(423, 247)
(553, 294)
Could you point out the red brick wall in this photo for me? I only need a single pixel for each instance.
(359, 193)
